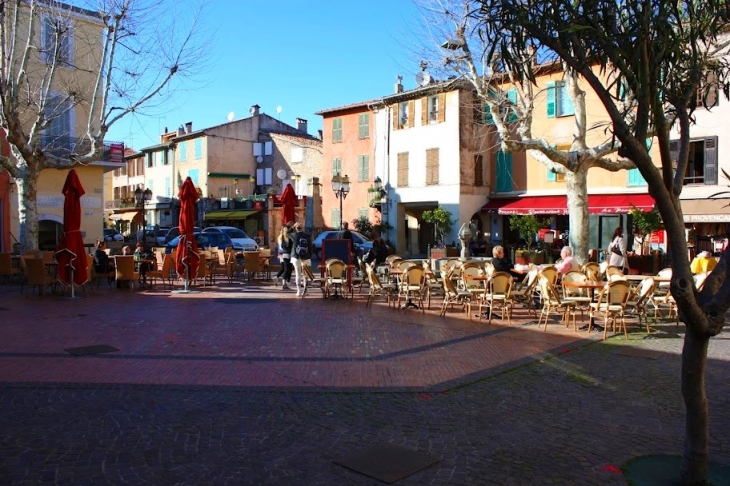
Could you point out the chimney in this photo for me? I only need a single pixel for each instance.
(399, 84)
(254, 110)
(181, 131)
(320, 134)
(302, 125)
(165, 130)
(189, 127)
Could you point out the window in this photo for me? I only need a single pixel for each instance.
(150, 159)
(182, 148)
(363, 168)
(168, 187)
(432, 167)
(56, 35)
(553, 176)
(363, 125)
(198, 148)
(264, 176)
(433, 109)
(150, 186)
(335, 219)
(558, 102)
(336, 166)
(337, 130)
(403, 169)
(635, 178)
(297, 155)
(702, 163)
(403, 114)
(363, 213)
(478, 170)
(258, 149)
(707, 92)
(193, 174)
(58, 136)
(268, 147)
(504, 172)
(503, 110)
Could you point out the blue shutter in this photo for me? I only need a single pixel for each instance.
(488, 120)
(551, 99)
(198, 148)
(504, 172)
(512, 96)
(183, 150)
(566, 103)
(193, 174)
(635, 178)
(551, 176)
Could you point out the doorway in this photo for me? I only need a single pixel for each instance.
(49, 234)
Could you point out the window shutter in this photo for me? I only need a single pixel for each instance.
(257, 149)
(403, 169)
(336, 166)
(363, 125)
(551, 99)
(424, 111)
(365, 167)
(442, 107)
(411, 113)
(551, 176)
(193, 174)
(488, 119)
(512, 113)
(711, 160)
(566, 102)
(395, 111)
(674, 151)
(504, 172)
(183, 151)
(198, 148)
(268, 148)
(335, 218)
(478, 170)
(337, 130)
(635, 178)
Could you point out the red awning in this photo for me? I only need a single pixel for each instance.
(552, 205)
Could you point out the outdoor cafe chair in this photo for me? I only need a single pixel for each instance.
(411, 285)
(453, 296)
(226, 268)
(432, 285)
(475, 287)
(36, 275)
(550, 272)
(251, 264)
(611, 305)
(663, 287)
(311, 279)
(165, 272)
(124, 271)
(640, 299)
(335, 279)
(581, 297)
(391, 258)
(612, 270)
(497, 297)
(525, 290)
(664, 301)
(377, 289)
(602, 270)
(591, 270)
(551, 302)
(7, 270)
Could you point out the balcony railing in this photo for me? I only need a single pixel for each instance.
(120, 203)
(66, 147)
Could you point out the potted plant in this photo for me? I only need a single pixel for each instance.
(441, 220)
(522, 257)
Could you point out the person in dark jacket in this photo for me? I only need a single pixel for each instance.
(378, 254)
(102, 262)
(502, 263)
(285, 244)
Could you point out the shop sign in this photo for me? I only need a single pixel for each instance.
(707, 218)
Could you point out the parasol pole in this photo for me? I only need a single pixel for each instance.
(73, 296)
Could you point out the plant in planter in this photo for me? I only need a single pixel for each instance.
(527, 226)
(522, 257)
(363, 225)
(645, 223)
(441, 220)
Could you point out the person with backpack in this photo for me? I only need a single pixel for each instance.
(286, 244)
(301, 255)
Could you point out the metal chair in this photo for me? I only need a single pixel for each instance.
(551, 301)
(335, 279)
(498, 296)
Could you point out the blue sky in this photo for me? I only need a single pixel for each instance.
(301, 55)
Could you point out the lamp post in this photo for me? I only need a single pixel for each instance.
(142, 196)
(341, 186)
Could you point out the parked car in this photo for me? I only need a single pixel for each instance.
(111, 234)
(160, 236)
(175, 231)
(362, 243)
(204, 240)
(241, 241)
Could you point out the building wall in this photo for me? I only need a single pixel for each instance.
(347, 151)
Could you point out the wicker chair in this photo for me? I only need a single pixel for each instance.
(611, 306)
(125, 270)
(165, 272)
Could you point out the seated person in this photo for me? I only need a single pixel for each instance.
(140, 253)
(568, 264)
(502, 263)
(703, 262)
(102, 262)
(126, 250)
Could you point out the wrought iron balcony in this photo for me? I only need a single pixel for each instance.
(68, 147)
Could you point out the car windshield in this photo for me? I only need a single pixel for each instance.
(235, 233)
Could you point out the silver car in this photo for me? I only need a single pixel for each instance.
(241, 241)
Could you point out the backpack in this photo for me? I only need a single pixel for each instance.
(303, 242)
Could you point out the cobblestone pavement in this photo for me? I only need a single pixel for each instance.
(250, 385)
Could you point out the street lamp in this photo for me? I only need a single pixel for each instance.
(142, 196)
(341, 186)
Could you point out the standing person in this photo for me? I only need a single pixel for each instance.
(301, 255)
(617, 251)
(285, 244)
(347, 235)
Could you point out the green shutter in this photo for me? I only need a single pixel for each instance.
(551, 176)
(488, 120)
(336, 166)
(363, 168)
(364, 125)
(183, 150)
(566, 102)
(337, 130)
(551, 99)
(635, 178)
(504, 172)
(512, 97)
(193, 174)
(198, 148)
(335, 218)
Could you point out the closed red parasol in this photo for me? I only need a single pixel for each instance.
(288, 205)
(186, 261)
(70, 253)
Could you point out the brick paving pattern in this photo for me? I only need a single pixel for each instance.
(246, 384)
